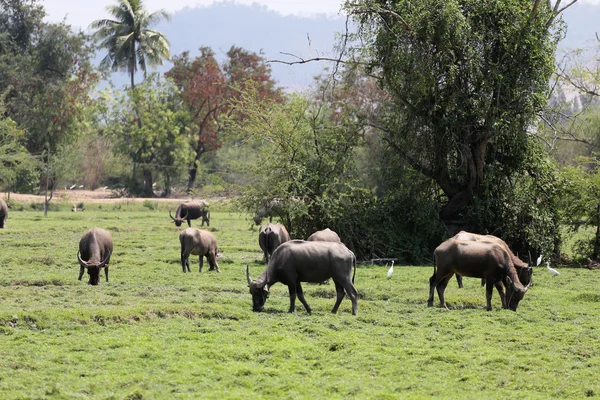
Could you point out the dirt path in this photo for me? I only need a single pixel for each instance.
(102, 196)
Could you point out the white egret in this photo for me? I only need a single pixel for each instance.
(391, 270)
(539, 260)
(552, 270)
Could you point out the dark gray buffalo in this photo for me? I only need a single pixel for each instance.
(190, 211)
(478, 260)
(298, 261)
(326, 235)
(3, 213)
(199, 243)
(270, 237)
(95, 248)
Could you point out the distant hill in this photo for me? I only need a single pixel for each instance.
(257, 28)
(253, 28)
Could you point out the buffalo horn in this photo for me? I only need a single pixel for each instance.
(248, 275)
(103, 263)
(171, 215)
(81, 262)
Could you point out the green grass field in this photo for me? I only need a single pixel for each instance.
(154, 332)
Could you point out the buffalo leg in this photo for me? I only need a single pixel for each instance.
(185, 260)
(292, 289)
(459, 281)
(352, 293)
(500, 289)
(432, 285)
(212, 260)
(189, 221)
(489, 289)
(301, 297)
(81, 270)
(201, 263)
(339, 289)
(441, 288)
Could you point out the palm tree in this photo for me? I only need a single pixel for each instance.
(128, 39)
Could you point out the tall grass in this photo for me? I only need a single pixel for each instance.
(155, 332)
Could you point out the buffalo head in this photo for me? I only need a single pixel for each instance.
(93, 269)
(259, 291)
(178, 220)
(514, 293)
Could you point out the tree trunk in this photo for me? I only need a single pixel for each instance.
(192, 176)
(148, 183)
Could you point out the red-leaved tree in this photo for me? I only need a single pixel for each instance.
(209, 90)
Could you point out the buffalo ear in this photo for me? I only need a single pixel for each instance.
(266, 288)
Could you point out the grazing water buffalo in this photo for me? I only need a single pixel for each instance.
(3, 213)
(298, 261)
(524, 271)
(190, 211)
(326, 235)
(270, 237)
(199, 243)
(479, 260)
(95, 248)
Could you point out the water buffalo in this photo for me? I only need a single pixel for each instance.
(190, 211)
(3, 213)
(270, 237)
(326, 235)
(524, 271)
(199, 243)
(479, 260)
(95, 248)
(267, 209)
(298, 261)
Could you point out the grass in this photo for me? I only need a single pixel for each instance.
(154, 332)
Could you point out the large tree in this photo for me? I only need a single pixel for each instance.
(128, 38)
(467, 79)
(46, 74)
(209, 90)
(161, 142)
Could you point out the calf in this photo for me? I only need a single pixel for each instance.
(199, 243)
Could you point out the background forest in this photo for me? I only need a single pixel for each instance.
(436, 117)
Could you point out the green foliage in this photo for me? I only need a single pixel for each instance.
(305, 161)
(523, 209)
(581, 204)
(15, 161)
(154, 332)
(459, 111)
(149, 126)
(46, 73)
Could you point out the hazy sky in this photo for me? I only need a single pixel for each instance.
(82, 12)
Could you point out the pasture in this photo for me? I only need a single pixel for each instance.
(154, 332)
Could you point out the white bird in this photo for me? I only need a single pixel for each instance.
(539, 261)
(73, 187)
(552, 270)
(391, 270)
(80, 186)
